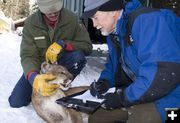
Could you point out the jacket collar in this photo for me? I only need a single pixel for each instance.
(128, 9)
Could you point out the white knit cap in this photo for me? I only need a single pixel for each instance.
(49, 6)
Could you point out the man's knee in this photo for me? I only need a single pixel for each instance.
(14, 103)
(21, 94)
(78, 56)
(143, 113)
(108, 116)
(73, 61)
(78, 63)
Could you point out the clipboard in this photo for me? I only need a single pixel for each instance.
(87, 106)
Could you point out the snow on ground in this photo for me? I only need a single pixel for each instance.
(11, 70)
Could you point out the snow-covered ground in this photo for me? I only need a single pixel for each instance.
(11, 70)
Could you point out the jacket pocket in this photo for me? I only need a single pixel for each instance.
(41, 43)
(42, 47)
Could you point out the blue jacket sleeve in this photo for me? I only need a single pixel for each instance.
(109, 71)
(159, 56)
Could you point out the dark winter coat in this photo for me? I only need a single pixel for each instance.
(37, 38)
(152, 60)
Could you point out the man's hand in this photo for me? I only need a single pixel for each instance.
(42, 86)
(99, 87)
(112, 101)
(53, 51)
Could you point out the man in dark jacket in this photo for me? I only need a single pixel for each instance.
(52, 34)
(143, 62)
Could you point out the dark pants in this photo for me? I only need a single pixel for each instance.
(142, 113)
(21, 94)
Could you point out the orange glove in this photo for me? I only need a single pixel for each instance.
(42, 86)
(53, 51)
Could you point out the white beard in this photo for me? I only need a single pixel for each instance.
(104, 33)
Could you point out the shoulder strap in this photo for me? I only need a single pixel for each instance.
(131, 19)
(121, 79)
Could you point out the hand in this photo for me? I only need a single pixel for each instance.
(99, 87)
(42, 86)
(53, 51)
(112, 101)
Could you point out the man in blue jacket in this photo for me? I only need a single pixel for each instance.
(143, 62)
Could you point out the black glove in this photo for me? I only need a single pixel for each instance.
(115, 100)
(112, 101)
(99, 87)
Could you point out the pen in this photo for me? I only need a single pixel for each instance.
(96, 89)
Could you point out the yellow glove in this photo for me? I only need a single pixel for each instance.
(42, 86)
(52, 52)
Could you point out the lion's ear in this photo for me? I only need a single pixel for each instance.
(45, 66)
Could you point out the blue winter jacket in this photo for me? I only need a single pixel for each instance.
(153, 57)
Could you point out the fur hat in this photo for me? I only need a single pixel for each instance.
(50, 6)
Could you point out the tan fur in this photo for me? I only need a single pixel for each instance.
(47, 108)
